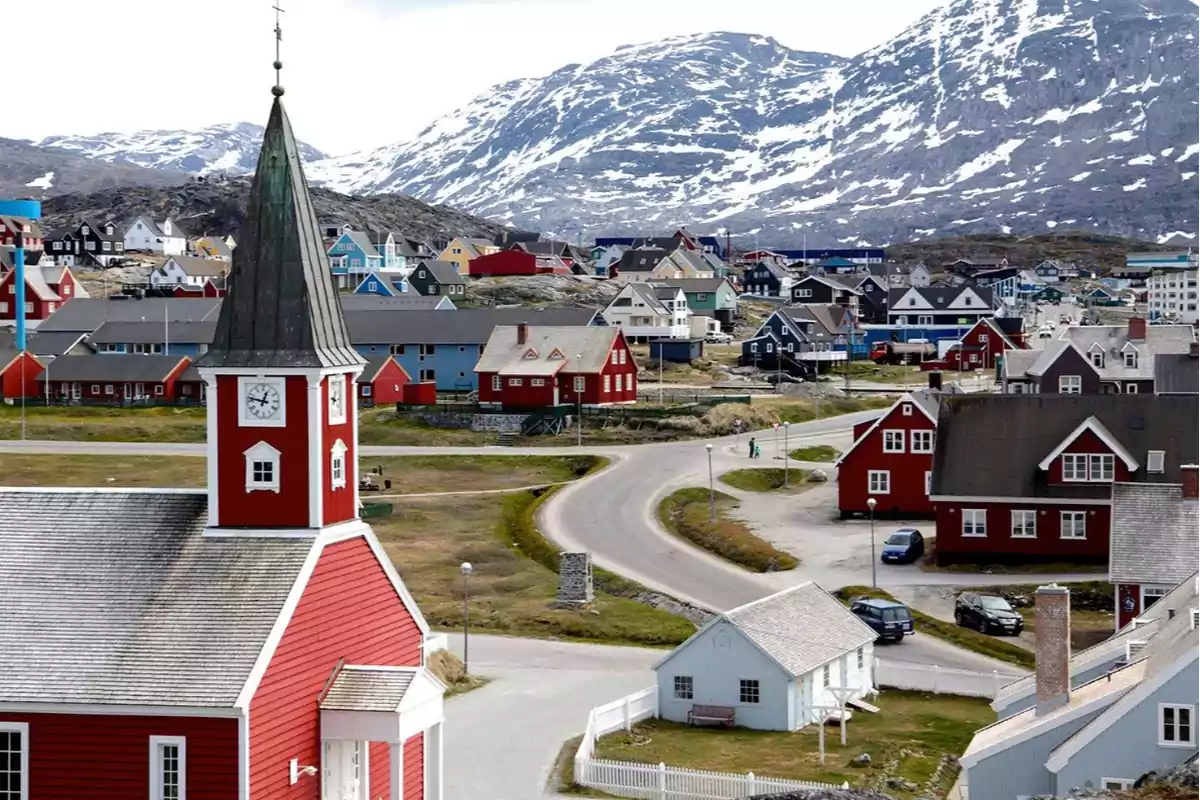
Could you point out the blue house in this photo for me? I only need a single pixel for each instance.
(351, 256)
(792, 340)
(150, 337)
(383, 284)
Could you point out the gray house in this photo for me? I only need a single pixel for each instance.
(1106, 733)
(774, 663)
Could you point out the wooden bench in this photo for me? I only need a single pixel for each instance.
(722, 715)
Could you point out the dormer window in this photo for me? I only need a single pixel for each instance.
(262, 468)
(556, 354)
(530, 354)
(1096, 356)
(1130, 354)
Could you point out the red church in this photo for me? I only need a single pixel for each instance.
(251, 640)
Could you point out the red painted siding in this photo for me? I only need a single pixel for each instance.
(985, 350)
(94, 757)
(999, 546)
(349, 610)
(1086, 442)
(289, 507)
(381, 770)
(414, 768)
(338, 504)
(17, 383)
(505, 262)
(387, 387)
(907, 497)
(525, 395)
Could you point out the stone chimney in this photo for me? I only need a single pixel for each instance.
(1190, 481)
(1137, 329)
(1052, 651)
(522, 332)
(935, 380)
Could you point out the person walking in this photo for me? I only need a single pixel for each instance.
(753, 447)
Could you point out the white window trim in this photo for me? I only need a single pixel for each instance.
(913, 437)
(23, 729)
(1062, 518)
(580, 384)
(497, 383)
(1191, 709)
(157, 742)
(1072, 387)
(906, 409)
(897, 433)
(337, 415)
(1123, 783)
(337, 453)
(963, 521)
(1022, 515)
(262, 452)
(887, 481)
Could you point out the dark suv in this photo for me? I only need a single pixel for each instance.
(987, 613)
(887, 618)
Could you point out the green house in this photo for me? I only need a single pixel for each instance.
(705, 295)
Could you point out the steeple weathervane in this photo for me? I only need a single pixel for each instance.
(277, 89)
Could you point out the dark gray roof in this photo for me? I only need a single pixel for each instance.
(640, 260)
(444, 272)
(939, 297)
(374, 364)
(693, 285)
(464, 326)
(44, 343)
(1154, 534)
(111, 368)
(1176, 374)
(149, 332)
(115, 597)
(405, 302)
(86, 314)
(281, 308)
(991, 445)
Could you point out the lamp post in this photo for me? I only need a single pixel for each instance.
(785, 454)
(579, 403)
(466, 573)
(871, 506)
(712, 492)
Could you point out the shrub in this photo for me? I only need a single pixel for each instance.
(685, 514)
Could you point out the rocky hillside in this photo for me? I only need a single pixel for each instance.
(1083, 249)
(30, 171)
(1009, 115)
(219, 207)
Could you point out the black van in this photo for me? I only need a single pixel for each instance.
(889, 619)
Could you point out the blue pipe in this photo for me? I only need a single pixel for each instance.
(19, 279)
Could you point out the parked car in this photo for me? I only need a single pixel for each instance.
(903, 547)
(1045, 333)
(718, 337)
(987, 613)
(889, 619)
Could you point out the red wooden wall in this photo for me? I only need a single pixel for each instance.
(338, 504)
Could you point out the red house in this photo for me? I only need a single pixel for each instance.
(19, 372)
(516, 262)
(980, 347)
(382, 382)
(1154, 539)
(1023, 478)
(46, 289)
(542, 366)
(892, 457)
(114, 378)
(209, 289)
(251, 640)
(10, 226)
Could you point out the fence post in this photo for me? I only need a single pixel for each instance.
(750, 786)
(937, 672)
(845, 784)
(995, 683)
(628, 715)
(662, 781)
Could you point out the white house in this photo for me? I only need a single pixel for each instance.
(190, 271)
(146, 234)
(645, 312)
(776, 663)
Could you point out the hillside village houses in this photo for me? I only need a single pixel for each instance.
(148, 235)
(190, 271)
(644, 311)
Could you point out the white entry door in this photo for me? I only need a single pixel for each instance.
(342, 771)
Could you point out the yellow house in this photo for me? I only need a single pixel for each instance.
(460, 251)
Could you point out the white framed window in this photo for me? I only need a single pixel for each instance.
(168, 768)
(337, 465)
(1070, 384)
(974, 522)
(29, 307)
(906, 409)
(879, 481)
(1177, 725)
(754, 347)
(825, 675)
(366, 390)
(861, 658)
(1072, 524)
(1074, 467)
(612, 359)
(925, 320)
(580, 384)
(982, 338)
(1097, 358)
(1116, 784)
(804, 293)
(607, 384)
(514, 381)
(1131, 358)
(1024, 524)
(770, 347)
(748, 691)
(1100, 467)
(497, 383)
(893, 441)
(108, 388)
(921, 441)
(621, 356)
(685, 687)
(159, 389)
(262, 468)
(1152, 594)
(1130, 388)
(14, 760)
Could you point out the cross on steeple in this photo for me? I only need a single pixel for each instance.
(277, 89)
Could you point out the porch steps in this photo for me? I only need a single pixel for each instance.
(506, 439)
(863, 704)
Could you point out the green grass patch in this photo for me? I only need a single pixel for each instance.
(821, 453)
(914, 727)
(685, 513)
(103, 423)
(803, 409)
(766, 479)
(963, 637)
(928, 563)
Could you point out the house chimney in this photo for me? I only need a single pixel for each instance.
(935, 380)
(1194, 349)
(1052, 650)
(1137, 329)
(1190, 481)
(522, 332)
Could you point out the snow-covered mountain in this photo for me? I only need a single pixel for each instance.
(1015, 115)
(228, 148)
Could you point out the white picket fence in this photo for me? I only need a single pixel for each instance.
(940, 680)
(658, 781)
(435, 642)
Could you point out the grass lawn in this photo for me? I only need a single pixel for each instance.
(879, 373)
(766, 479)
(803, 409)
(928, 563)
(821, 453)
(1091, 608)
(992, 646)
(685, 513)
(103, 424)
(924, 726)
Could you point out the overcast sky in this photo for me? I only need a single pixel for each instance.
(361, 73)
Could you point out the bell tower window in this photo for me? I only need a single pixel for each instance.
(337, 465)
(262, 468)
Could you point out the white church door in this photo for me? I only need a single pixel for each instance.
(342, 771)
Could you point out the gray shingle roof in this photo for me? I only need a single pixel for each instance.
(640, 260)
(1155, 534)
(199, 267)
(111, 368)
(464, 326)
(368, 689)
(692, 285)
(149, 332)
(802, 627)
(1176, 374)
(547, 350)
(87, 314)
(939, 297)
(44, 343)
(1109, 338)
(410, 301)
(117, 598)
(444, 272)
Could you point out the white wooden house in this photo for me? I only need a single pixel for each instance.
(775, 663)
(163, 237)
(190, 271)
(645, 312)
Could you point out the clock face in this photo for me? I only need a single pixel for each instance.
(337, 399)
(262, 401)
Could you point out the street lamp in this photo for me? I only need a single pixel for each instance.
(579, 403)
(871, 505)
(712, 492)
(466, 573)
(785, 454)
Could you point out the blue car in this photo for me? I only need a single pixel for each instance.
(889, 619)
(903, 547)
